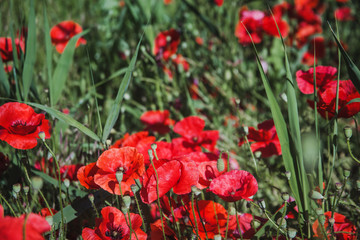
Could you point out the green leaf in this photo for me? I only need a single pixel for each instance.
(78, 207)
(4, 80)
(30, 55)
(354, 72)
(57, 82)
(115, 109)
(66, 118)
(48, 46)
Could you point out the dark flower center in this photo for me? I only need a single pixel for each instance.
(115, 233)
(20, 128)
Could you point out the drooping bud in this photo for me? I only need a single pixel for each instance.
(348, 132)
(282, 222)
(292, 232)
(42, 135)
(37, 183)
(67, 182)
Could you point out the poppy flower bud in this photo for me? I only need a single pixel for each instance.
(285, 196)
(108, 143)
(134, 188)
(153, 146)
(63, 195)
(17, 188)
(346, 173)
(37, 183)
(67, 182)
(195, 190)
(315, 195)
(338, 186)
(91, 197)
(220, 164)
(292, 233)
(262, 204)
(282, 222)
(348, 132)
(257, 154)
(245, 130)
(331, 221)
(217, 237)
(26, 190)
(119, 176)
(42, 135)
(255, 224)
(288, 175)
(126, 201)
(232, 211)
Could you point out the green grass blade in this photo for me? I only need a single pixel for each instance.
(294, 127)
(281, 129)
(66, 118)
(115, 109)
(353, 71)
(48, 47)
(30, 55)
(57, 82)
(4, 80)
(78, 207)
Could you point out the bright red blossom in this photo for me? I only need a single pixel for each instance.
(343, 228)
(252, 20)
(343, 14)
(157, 121)
(266, 139)
(62, 32)
(126, 160)
(166, 44)
(6, 48)
(86, 175)
(305, 79)
(114, 225)
(13, 228)
(234, 185)
(20, 125)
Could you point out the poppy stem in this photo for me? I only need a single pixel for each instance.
(216, 217)
(252, 154)
(153, 146)
(351, 154)
(237, 221)
(7, 203)
(193, 212)
(201, 220)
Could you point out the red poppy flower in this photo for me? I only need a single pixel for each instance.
(266, 139)
(114, 225)
(343, 14)
(305, 31)
(46, 212)
(166, 44)
(318, 44)
(199, 40)
(343, 228)
(20, 125)
(4, 162)
(126, 160)
(246, 227)
(62, 32)
(13, 228)
(327, 100)
(213, 216)
(219, 2)
(164, 150)
(6, 49)
(234, 185)
(70, 171)
(178, 174)
(157, 121)
(180, 60)
(252, 20)
(157, 233)
(193, 137)
(270, 28)
(324, 76)
(85, 175)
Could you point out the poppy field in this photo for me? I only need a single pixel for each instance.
(179, 119)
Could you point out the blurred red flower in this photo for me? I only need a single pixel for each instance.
(219, 2)
(86, 174)
(343, 228)
(270, 28)
(126, 160)
(252, 20)
(234, 185)
(178, 174)
(46, 212)
(166, 44)
(20, 125)
(180, 60)
(193, 137)
(6, 48)
(343, 14)
(327, 100)
(157, 121)
(266, 139)
(156, 231)
(213, 216)
(13, 227)
(305, 79)
(62, 32)
(114, 225)
(318, 44)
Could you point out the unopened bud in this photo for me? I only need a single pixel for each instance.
(195, 190)
(322, 219)
(220, 164)
(151, 156)
(17, 188)
(281, 222)
(332, 221)
(285, 196)
(26, 190)
(67, 182)
(338, 186)
(119, 176)
(91, 197)
(257, 154)
(319, 211)
(348, 132)
(217, 237)
(134, 188)
(245, 130)
(42, 135)
(316, 195)
(126, 201)
(37, 183)
(108, 143)
(292, 232)
(153, 146)
(255, 224)
(346, 173)
(63, 195)
(232, 211)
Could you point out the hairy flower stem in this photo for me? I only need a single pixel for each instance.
(157, 193)
(216, 217)
(198, 210)
(237, 221)
(7, 203)
(193, 212)
(351, 154)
